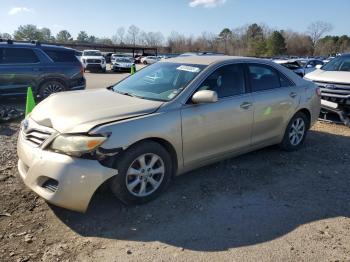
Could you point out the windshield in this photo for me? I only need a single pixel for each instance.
(92, 53)
(123, 60)
(160, 81)
(341, 63)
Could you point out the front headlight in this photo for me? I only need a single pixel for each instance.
(77, 144)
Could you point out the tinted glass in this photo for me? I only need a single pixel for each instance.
(226, 81)
(17, 56)
(160, 81)
(61, 55)
(123, 60)
(341, 63)
(92, 53)
(263, 78)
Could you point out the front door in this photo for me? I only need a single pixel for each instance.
(213, 129)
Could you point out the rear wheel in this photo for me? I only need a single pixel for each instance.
(51, 87)
(144, 171)
(295, 133)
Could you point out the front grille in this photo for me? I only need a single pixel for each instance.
(36, 137)
(34, 133)
(335, 90)
(97, 61)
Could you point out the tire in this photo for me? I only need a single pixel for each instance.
(135, 183)
(103, 70)
(145, 62)
(50, 87)
(295, 133)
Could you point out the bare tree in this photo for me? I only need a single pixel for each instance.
(133, 33)
(317, 29)
(118, 38)
(120, 34)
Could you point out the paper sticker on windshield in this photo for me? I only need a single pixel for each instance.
(191, 69)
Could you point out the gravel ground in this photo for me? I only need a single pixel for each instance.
(263, 206)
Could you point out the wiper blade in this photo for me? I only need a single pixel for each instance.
(126, 93)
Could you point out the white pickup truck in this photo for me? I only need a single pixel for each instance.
(93, 60)
(334, 81)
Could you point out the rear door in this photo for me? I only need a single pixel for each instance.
(214, 129)
(275, 101)
(19, 68)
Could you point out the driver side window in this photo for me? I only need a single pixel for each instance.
(226, 81)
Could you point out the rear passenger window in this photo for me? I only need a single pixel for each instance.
(226, 81)
(61, 55)
(263, 77)
(285, 82)
(18, 56)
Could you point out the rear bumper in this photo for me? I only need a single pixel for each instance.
(77, 179)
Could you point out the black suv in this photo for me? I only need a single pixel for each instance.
(46, 68)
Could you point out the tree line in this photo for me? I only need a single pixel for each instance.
(251, 40)
(131, 36)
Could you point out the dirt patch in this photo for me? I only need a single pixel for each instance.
(267, 205)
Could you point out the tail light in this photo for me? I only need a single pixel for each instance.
(81, 70)
(318, 92)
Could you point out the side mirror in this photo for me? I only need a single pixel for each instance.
(318, 66)
(205, 96)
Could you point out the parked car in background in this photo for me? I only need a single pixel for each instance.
(137, 59)
(122, 64)
(334, 80)
(168, 118)
(115, 56)
(107, 56)
(300, 66)
(47, 69)
(93, 60)
(147, 60)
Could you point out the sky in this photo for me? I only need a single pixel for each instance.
(190, 17)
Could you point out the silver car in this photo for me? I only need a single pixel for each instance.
(165, 120)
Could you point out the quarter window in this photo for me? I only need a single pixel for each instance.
(263, 78)
(226, 81)
(17, 56)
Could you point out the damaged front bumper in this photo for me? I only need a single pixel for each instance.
(335, 101)
(62, 180)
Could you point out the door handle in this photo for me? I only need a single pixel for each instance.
(246, 105)
(36, 69)
(293, 94)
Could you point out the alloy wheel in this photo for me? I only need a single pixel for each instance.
(145, 175)
(297, 131)
(51, 88)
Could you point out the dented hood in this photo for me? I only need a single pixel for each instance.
(80, 111)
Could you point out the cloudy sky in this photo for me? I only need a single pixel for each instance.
(191, 17)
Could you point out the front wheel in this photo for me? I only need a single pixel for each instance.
(295, 133)
(144, 171)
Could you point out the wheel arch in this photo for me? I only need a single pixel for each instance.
(52, 78)
(168, 147)
(307, 113)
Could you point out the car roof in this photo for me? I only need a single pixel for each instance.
(34, 45)
(207, 60)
